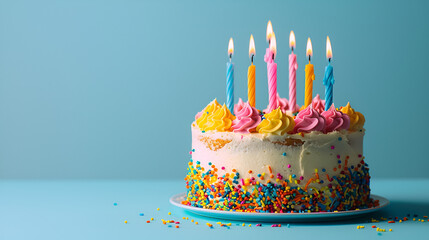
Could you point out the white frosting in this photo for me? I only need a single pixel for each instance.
(257, 152)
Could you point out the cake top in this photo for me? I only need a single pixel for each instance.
(247, 119)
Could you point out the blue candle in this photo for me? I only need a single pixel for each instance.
(328, 79)
(230, 78)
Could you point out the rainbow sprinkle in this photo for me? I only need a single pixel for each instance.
(348, 191)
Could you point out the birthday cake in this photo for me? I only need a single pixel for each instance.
(280, 160)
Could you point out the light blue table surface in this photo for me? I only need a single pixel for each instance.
(86, 210)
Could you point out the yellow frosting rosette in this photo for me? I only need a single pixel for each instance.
(357, 120)
(207, 111)
(220, 120)
(276, 122)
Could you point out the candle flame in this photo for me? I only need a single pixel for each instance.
(309, 48)
(292, 43)
(251, 46)
(230, 47)
(328, 48)
(273, 44)
(270, 31)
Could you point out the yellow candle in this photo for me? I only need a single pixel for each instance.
(251, 74)
(309, 76)
(251, 85)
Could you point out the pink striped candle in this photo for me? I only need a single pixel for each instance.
(272, 74)
(293, 66)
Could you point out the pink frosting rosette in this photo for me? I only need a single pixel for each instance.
(318, 104)
(283, 103)
(309, 120)
(335, 120)
(247, 118)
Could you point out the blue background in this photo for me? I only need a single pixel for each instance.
(108, 89)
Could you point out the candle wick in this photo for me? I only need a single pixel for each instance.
(292, 49)
(230, 56)
(273, 55)
(309, 58)
(252, 58)
(329, 59)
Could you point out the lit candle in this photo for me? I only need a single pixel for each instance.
(269, 32)
(251, 74)
(293, 66)
(272, 74)
(328, 79)
(309, 75)
(230, 78)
